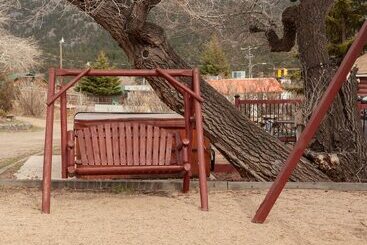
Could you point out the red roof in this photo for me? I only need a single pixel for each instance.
(361, 63)
(248, 85)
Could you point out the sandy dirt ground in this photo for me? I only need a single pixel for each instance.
(300, 217)
(13, 144)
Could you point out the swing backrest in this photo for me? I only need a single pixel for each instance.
(124, 143)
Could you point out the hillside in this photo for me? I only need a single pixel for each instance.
(84, 39)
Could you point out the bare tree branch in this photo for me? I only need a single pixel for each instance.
(16, 54)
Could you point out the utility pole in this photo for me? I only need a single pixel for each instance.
(249, 56)
(61, 42)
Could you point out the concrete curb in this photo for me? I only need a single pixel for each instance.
(176, 185)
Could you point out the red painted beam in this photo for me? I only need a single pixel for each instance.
(269, 101)
(67, 86)
(178, 85)
(115, 170)
(312, 126)
(127, 73)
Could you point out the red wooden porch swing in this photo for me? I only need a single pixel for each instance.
(124, 148)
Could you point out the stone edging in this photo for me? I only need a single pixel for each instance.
(176, 185)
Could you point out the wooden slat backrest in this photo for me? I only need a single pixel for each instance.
(96, 151)
(115, 144)
(143, 143)
(108, 138)
(149, 146)
(155, 148)
(102, 144)
(162, 148)
(126, 144)
(136, 144)
(122, 144)
(169, 141)
(129, 148)
(82, 150)
(88, 145)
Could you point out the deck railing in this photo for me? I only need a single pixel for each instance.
(278, 117)
(362, 106)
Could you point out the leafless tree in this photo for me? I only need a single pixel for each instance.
(16, 54)
(137, 28)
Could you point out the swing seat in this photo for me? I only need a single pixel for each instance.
(125, 148)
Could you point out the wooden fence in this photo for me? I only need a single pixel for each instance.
(278, 117)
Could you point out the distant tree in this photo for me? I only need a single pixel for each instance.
(213, 59)
(100, 86)
(344, 20)
(16, 54)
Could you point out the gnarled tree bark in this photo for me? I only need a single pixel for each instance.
(339, 146)
(255, 153)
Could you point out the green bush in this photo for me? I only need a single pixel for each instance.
(100, 86)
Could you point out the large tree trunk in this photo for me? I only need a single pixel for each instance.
(339, 146)
(251, 150)
(340, 133)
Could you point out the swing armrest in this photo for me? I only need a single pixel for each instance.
(183, 148)
(70, 152)
(185, 153)
(184, 143)
(71, 144)
(70, 140)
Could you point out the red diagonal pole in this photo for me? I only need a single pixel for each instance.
(65, 88)
(311, 127)
(178, 85)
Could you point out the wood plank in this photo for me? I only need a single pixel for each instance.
(168, 149)
(102, 144)
(149, 146)
(129, 144)
(115, 144)
(122, 140)
(81, 143)
(88, 146)
(136, 143)
(109, 144)
(155, 148)
(162, 147)
(94, 135)
(178, 156)
(143, 142)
